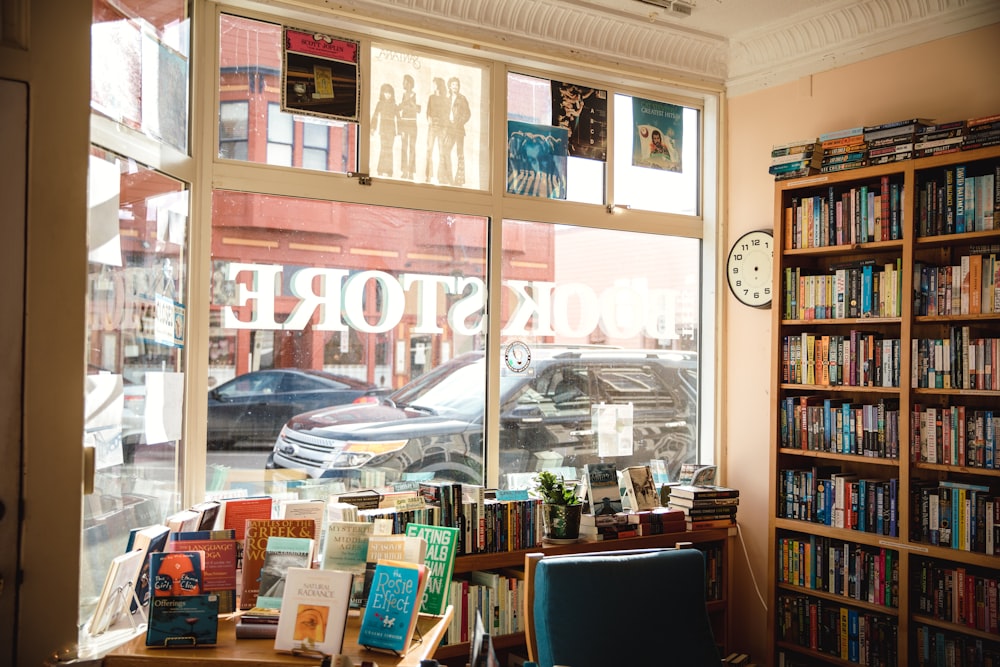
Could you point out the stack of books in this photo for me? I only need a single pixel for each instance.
(982, 132)
(795, 159)
(843, 149)
(892, 142)
(705, 506)
(258, 623)
(939, 139)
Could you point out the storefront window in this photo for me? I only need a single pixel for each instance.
(429, 118)
(250, 74)
(359, 302)
(141, 66)
(600, 362)
(135, 338)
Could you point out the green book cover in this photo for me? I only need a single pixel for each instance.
(282, 553)
(442, 545)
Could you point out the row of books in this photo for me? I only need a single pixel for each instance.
(854, 635)
(937, 647)
(795, 159)
(858, 290)
(495, 596)
(860, 572)
(858, 214)
(622, 525)
(955, 515)
(840, 426)
(961, 361)
(971, 287)
(858, 359)
(957, 595)
(827, 496)
(954, 200)
(955, 435)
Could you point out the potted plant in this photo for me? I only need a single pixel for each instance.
(561, 508)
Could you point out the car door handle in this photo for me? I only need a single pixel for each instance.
(588, 431)
(531, 420)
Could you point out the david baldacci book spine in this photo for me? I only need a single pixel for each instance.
(393, 606)
(314, 610)
(442, 545)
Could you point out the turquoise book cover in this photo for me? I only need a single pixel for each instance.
(393, 605)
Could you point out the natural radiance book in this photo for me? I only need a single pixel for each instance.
(314, 610)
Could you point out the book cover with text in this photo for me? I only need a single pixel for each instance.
(393, 606)
(314, 610)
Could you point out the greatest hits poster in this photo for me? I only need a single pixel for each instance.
(658, 129)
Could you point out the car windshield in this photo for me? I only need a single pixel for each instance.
(454, 391)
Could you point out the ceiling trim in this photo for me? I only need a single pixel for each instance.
(592, 32)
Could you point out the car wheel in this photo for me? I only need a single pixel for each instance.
(460, 469)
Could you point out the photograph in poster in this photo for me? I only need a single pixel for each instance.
(320, 75)
(428, 121)
(584, 112)
(657, 135)
(536, 160)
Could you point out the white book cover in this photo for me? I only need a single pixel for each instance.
(314, 610)
(116, 595)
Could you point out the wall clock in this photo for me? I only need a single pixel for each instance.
(748, 268)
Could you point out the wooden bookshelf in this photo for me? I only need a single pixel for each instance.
(918, 249)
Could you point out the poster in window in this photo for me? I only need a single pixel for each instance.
(536, 160)
(659, 128)
(320, 76)
(584, 112)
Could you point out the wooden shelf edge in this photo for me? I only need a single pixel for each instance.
(955, 627)
(840, 599)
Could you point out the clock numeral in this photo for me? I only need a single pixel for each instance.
(736, 270)
(739, 283)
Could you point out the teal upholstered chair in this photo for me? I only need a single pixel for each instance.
(641, 608)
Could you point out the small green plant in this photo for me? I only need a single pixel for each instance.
(552, 489)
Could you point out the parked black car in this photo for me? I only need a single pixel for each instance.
(436, 422)
(252, 408)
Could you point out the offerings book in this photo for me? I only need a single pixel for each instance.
(180, 613)
(393, 606)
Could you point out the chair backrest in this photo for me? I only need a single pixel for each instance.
(636, 608)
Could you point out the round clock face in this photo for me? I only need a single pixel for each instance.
(517, 356)
(748, 268)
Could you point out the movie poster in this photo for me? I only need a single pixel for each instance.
(320, 76)
(583, 112)
(536, 160)
(659, 128)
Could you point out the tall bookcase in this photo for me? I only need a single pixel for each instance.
(870, 343)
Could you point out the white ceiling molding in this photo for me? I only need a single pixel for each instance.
(803, 45)
(714, 45)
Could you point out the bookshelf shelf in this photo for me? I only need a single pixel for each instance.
(840, 599)
(932, 323)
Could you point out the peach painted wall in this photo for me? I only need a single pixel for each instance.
(947, 79)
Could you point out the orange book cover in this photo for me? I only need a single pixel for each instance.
(255, 548)
(975, 284)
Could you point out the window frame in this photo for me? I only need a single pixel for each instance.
(493, 202)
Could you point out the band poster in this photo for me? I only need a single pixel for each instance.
(536, 160)
(659, 128)
(320, 75)
(583, 112)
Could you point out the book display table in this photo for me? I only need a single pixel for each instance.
(231, 652)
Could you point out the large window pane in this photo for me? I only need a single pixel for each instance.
(556, 139)
(140, 67)
(611, 366)
(250, 73)
(135, 338)
(430, 119)
(641, 181)
(356, 301)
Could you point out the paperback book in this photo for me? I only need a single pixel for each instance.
(603, 491)
(393, 606)
(255, 549)
(180, 612)
(346, 549)
(442, 546)
(151, 539)
(118, 591)
(282, 553)
(640, 488)
(393, 547)
(314, 610)
(219, 547)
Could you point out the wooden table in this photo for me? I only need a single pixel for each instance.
(232, 652)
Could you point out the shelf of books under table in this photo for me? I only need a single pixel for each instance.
(230, 652)
(515, 559)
